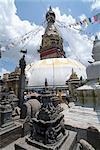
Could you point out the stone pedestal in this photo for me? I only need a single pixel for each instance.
(5, 113)
(9, 134)
(68, 143)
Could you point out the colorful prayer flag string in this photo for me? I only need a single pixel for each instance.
(87, 21)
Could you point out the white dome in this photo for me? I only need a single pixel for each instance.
(56, 70)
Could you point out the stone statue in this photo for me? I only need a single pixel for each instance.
(22, 64)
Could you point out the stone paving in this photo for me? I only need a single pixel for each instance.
(75, 116)
(10, 146)
(81, 117)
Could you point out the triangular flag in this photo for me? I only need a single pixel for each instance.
(89, 19)
(95, 18)
(80, 23)
(85, 22)
(98, 17)
(92, 20)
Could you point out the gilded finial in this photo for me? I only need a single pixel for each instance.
(50, 8)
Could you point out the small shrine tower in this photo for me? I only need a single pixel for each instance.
(52, 43)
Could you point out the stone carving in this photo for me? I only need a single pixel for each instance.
(13, 100)
(84, 145)
(30, 108)
(93, 137)
(48, 125)
(22, 64)
(5, 112)
(9, 131)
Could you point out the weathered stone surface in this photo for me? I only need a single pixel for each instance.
(30, 108)
(68, 144)
(47, 128)
(22, 65)
(84, 145)
(93, 137)
(89, 93)
(13, 100)
(5, 112)
(8, 130)
(9, 134)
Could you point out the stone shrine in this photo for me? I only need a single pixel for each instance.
(73, 83)
(47, 129)
(89, 93)
(9, 131)
(11, 80)
(5, 113)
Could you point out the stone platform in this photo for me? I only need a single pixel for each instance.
(81, 117)
(69, 143)
(9, 134)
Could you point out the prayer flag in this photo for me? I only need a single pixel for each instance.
(97, 17)
(89, 19)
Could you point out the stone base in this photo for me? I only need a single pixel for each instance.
(9, 134)
(67, 143)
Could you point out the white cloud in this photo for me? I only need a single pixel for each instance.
(80, 46)
(11, 26)
(2, 71)
(82, 17)
(95, 4)
(63, 17)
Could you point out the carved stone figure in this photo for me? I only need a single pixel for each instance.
(84, 145)
(22, 64)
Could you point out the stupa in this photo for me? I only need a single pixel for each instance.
(90, 92)
(53, 64)
(52, 42)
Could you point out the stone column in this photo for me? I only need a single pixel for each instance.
(22, 65)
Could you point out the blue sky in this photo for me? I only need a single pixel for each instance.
(18, 17)
(34, 10)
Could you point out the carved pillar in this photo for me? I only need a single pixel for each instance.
(22, 65)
